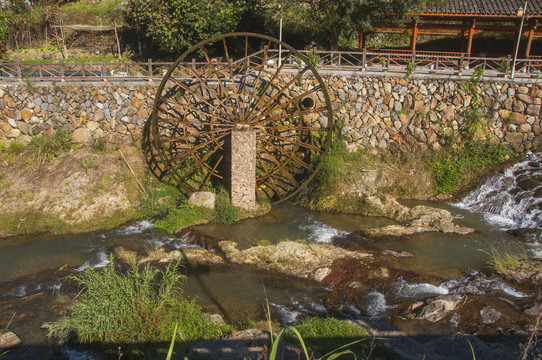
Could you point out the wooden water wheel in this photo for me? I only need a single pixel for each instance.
(237, 81)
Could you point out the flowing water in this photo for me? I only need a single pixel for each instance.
(510, 200)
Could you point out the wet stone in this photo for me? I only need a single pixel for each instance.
(490, 315)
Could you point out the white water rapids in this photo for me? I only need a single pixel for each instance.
(512, 199)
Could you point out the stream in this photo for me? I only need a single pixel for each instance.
(34, 266)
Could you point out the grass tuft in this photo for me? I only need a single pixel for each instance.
(47, 147)
(225, 212)
(506, 258)
(141, 306)
(183, 216)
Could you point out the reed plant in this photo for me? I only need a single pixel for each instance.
(505, 258)
(143, 305)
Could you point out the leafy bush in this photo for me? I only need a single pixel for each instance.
(140, 306)
(225, 212)
(183, 216)
(47, 147)
(449, 166)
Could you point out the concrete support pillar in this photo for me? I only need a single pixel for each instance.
(243, 168)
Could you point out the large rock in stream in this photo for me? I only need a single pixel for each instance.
(419, 219)
(297, 258)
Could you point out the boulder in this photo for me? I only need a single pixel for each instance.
(296, 258)
(8, 340)
(81, 136)
(437, 308)
(202, 198)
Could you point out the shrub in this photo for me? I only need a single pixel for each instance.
(140, 306)
(47, 147)
(184, 215)
(449, 166)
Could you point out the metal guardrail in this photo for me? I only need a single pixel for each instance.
(384, 61)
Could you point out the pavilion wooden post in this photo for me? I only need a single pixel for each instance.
(471, 35)
(414, 36)
(362, 40)
(530, 39)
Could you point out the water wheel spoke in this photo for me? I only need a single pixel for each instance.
(273, 185)
(184, 137)
(294, 100)
(212, 172)
(194, 93)
(268, 103)
(290, 155)
(199, 162)
(286, 140)
(198, 147)
(259, 99)
(280, 167)
(221, 84)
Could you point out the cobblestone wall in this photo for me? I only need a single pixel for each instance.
(383, 112)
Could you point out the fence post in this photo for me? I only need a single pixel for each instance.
(62, 79)
(364, 59)
(149, 68)
(40, 70)
(460, 72)
(19, 71)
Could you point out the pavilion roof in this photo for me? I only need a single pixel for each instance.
(486, 7)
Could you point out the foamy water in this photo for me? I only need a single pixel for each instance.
(319, 231)
(512, 199)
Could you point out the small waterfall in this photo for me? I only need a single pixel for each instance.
(513, 199)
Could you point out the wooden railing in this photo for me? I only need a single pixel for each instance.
(394, 62)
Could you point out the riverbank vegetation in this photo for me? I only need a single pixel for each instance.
(136, 310)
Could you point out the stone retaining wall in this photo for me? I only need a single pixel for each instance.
(383, 112)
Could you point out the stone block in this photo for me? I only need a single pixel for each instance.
(24, 127)
(533, 110)
(514, 138)
(202, 198)
(525, 98)
(81, 136)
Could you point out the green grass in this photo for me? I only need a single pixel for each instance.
(504, 259)
(450, 165)
(184, 215)
(137, 307)
(158, 201)
(92, 12)
(327, 334)
(225, 212)
(46, 147)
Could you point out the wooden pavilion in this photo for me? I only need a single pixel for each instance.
(466, 18)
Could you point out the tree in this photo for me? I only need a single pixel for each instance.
(174, 25)
(344, 17)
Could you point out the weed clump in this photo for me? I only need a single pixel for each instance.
(46, 147)
(225, 212)
(449, 167)
(140, 306)
(158, 201)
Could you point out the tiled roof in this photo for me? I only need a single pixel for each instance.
(487, 7)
